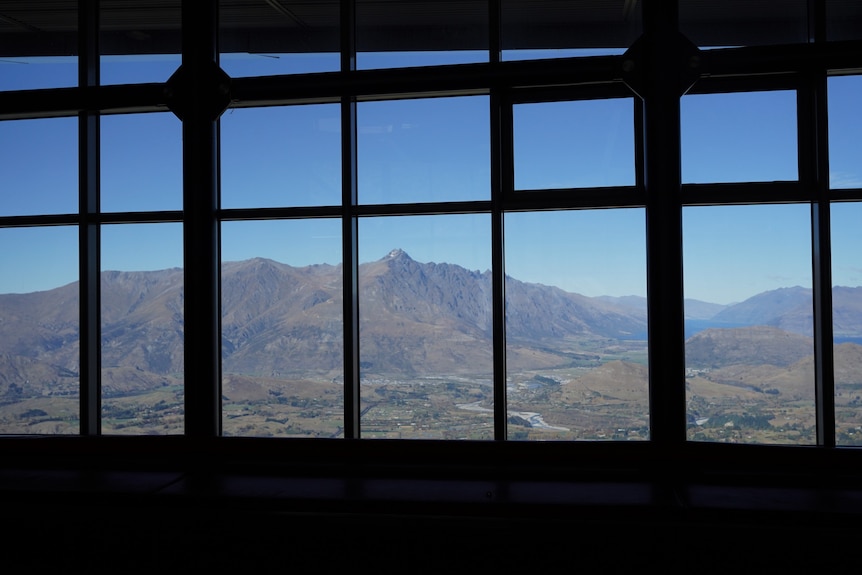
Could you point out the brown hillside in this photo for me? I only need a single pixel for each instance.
(756, 345)
(613, 380)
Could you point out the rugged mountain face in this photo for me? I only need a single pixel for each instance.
(142, 320)
(535, 312)
(42, 325)
(279, 320)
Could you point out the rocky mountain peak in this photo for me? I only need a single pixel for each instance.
(397, 253)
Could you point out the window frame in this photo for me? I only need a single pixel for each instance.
(803, 67)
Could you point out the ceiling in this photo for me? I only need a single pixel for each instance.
(48, 28)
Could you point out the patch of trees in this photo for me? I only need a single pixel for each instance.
(517, 420)
(545, 380)
(747, 421)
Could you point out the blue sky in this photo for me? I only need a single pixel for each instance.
(433, 150)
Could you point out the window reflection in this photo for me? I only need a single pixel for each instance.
(533, 30)
(413, 33)
(284, 37)
(38, 45)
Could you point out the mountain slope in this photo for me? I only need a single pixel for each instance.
(764, 308)
(756, 345)
(790, 309)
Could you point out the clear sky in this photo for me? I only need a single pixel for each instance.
(433, 150)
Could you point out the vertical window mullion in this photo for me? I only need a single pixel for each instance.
(662, 181)
(350, 233)
(502, 162)
(814, 175)
(89, 232)
(501, 165)
(202, 331)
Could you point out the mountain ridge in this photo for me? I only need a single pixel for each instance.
(280, 320)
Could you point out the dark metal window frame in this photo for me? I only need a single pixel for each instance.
(641, 73)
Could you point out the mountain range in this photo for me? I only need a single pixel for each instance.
(280, 320)
(415, 318)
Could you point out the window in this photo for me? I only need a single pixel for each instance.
(41, 388)
(407, 232)
(749, 347)
(739, 137)
(576, 325)
(282, 341)
(135, 49)
(40, 50)
(580, 144)
(287, 37)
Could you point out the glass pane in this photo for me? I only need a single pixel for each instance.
(259, 38)
(534, 30)
(847, 321)
(29, 185)
(281, 156)
(141, 162)
(425, 150)
(282, 332)
(420, 33)
(426, 364)
(142, 329)
(845, 130)
(38, 45)
(739, 137)
(749, 373)
(39, 359)
(139, 41)
(579, 144)
(729, 23)
(137, 68)
(843, 20)
(576, 341)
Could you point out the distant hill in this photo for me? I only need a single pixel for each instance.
(620, 380)
(697, 309)
(756, 345)
(847, 311)
(790, 309)
(694, 309)
(764, 308)
(635, 302)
